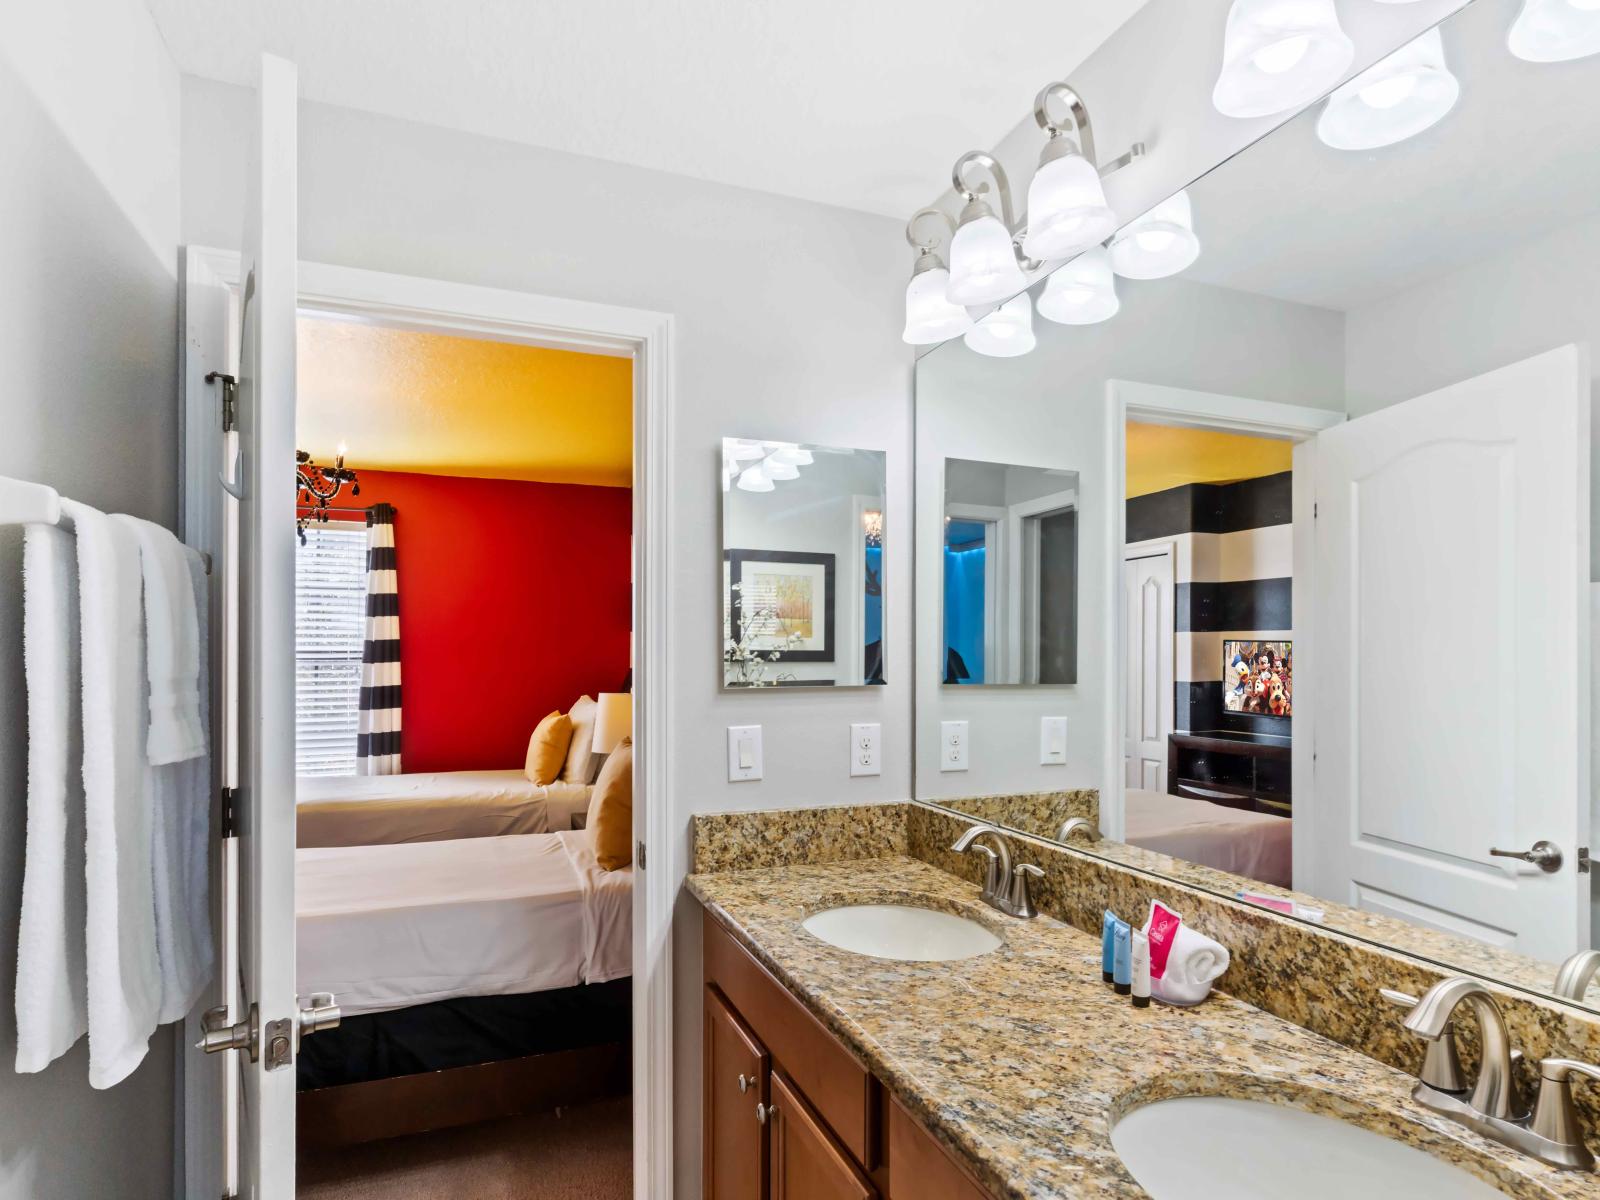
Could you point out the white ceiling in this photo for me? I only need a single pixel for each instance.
(1515, 159)
(859, 103)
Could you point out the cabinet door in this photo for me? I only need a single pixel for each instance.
(736, 1073)
(808, 1163)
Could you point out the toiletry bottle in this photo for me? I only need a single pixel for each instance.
(1140, 954)
(1122, 964)
(1108, 944)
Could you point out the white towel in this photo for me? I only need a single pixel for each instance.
(1194, 963)
(52, 1010)
(181, 810)
(172, 644)
(124, 977)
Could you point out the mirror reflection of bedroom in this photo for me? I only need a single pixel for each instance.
(1207, 575)
(464, 764)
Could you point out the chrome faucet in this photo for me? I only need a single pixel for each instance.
(1575, 975)
(1552, 1133)
(1005, 887)
(1091, 832)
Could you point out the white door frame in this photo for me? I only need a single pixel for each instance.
(1022, 579)
(648, 339)
(1125, 401)
(1167, 548)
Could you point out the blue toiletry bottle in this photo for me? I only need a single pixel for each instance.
(1122, 958)
(1108, 944)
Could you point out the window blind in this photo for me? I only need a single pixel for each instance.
(330, 593)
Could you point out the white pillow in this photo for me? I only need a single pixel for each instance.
(582, 716)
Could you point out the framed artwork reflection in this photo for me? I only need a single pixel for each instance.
(784, 601)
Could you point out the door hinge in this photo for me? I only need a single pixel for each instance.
(638, 854)
(230, 812)
(1583, 860)
(229, 388)
(1313, 510)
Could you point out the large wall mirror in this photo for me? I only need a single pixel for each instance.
(802, 565)
(1327, 419)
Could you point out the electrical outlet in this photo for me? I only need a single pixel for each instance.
(952, 745)
(864, 750)
(744, 753)
(1052, 741)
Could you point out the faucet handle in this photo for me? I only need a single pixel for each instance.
(1021, 900)
(1554, 1116)
(1441, 1064)
(991, 879)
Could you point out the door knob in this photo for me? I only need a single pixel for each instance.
(1544, 855)
(317, 1012)
(217, 1034)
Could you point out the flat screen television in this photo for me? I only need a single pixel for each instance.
(1258, 678)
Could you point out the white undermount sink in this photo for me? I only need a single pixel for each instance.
(1203, 1147)
(900, 931)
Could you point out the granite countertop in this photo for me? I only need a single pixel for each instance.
(1020, 1060)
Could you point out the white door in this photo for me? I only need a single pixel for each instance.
(1147, 601)
(1452, 636)
(265, 565)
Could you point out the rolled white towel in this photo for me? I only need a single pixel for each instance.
(1195, 962)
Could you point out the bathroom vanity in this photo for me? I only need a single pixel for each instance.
(830, 1073)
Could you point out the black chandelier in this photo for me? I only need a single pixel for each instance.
(317, 486)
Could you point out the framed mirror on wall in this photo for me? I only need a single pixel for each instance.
(1329, 415)
(802, 565)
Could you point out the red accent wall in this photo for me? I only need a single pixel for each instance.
(514, 600)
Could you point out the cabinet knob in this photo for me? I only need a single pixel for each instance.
(764, 1111)
(744, 1083)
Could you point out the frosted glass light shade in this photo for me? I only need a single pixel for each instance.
(790, 452)
(930, 316)
(1067, 209)
(1395, 99)
(1278, 55)
(741, 451)
(613, 721)
(754, 479)
(1005, 333)
(1556, 30)
(983, 264)
(774, 468)
(1158, 244)
(1083, 292)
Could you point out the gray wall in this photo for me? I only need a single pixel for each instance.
(88, 384)
(788, 328)
(1048, 409)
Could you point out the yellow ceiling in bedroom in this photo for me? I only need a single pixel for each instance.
(1165, 456)
(436, 404)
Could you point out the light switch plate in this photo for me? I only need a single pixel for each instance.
(952, 745)
(744, 753)
(1052, 741)
(865, 745)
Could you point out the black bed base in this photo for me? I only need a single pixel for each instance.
(456, 1062)
(464, 1032)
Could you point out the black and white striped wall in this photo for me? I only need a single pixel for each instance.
(1232, 569)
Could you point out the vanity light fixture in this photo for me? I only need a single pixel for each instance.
(1548, 31)
(1278, 55)
(754, 479)
(1005, 333)
(789, 452)
(1160, 243)
(1067, 209)
(1082, 292)
(983, 260)
(930, 315)
(774, 468)
(1397, 98)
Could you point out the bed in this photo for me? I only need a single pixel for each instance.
(476, 977)
(369, 810)
(1255, 845)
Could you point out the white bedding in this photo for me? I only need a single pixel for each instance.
(372, 810)
(1256, 845)
(385, 927)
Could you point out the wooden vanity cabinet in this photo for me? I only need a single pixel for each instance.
(807, 1161)
(825, 1129)
(737, 1091)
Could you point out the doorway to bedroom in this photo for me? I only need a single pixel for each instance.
(463, 680)
(1208, 669)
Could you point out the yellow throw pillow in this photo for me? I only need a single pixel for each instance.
(547, 748)
(582, 716)
(611, 810)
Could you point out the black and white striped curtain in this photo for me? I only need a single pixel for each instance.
(378, 740)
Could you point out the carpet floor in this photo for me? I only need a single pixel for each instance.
(584, 1154)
